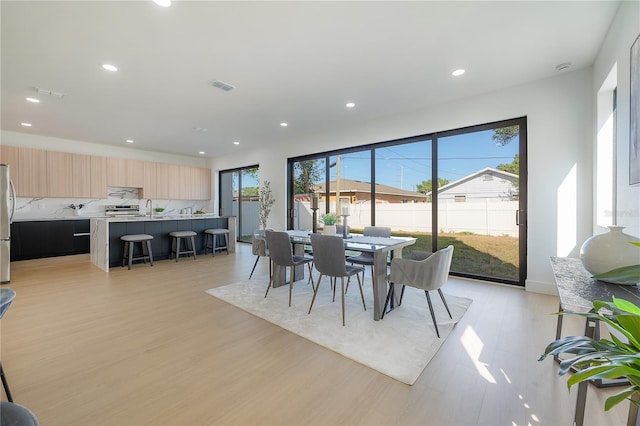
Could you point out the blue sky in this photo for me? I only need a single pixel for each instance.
(405, 166)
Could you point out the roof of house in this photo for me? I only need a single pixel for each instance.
(499, 173)
(348, 185)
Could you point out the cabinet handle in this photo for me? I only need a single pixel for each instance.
(82, 234)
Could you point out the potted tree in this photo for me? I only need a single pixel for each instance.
(265, 202)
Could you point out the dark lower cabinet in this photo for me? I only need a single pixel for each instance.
(49, 238)
(159, 230)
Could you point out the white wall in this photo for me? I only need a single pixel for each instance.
(615, 50)
(559, 112)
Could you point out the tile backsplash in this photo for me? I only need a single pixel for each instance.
(60, 208)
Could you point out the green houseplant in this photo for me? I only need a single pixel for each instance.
(265, 201)
(604, 358)
(329, 218)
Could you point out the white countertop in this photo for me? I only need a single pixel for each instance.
(126, 219)
(161, 217)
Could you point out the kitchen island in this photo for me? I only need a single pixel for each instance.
(107, 248)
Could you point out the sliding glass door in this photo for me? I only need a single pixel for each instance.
(479, 201)
(239, 198)
(465, 187)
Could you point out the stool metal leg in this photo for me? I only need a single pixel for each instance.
(214, 244)
(5, 385)
(124, 253)
(149, 252)
(177, 248)
(193, 247)
(132, 245)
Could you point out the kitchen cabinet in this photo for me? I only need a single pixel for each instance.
(10, 155)
(125, 173)
(32, 172)
(41, 173)
(49, 238)
(159, 230)
(81, 177)
(98, 177)
(150, 185)
(59, 174)
(68, 175)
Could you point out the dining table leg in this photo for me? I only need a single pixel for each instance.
(379, 283)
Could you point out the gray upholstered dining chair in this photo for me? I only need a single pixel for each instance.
(425, 271)
(6, 297)
(329, 259)
(281, 254)
(366, 258)
(259, 248)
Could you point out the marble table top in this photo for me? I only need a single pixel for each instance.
(577, 290)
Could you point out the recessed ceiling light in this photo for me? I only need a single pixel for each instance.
(163, 3)
(201, 153)
(110, 67)
(236, 143)
(457, 72)
(284, 124)
(33, 100)
(200, 129)
(129, 141)
(350, 105)
(26, 124)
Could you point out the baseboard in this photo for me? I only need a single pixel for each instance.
(541, 287)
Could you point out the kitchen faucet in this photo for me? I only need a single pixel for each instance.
(149, 203)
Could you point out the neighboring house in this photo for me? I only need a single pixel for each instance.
(358, 192)
(485, 184)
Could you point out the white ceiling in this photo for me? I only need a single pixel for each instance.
(298, 62)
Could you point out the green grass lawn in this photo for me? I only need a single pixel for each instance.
(491, 256)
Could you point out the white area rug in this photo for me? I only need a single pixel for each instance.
(400, 346)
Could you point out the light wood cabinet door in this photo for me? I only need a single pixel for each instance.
(98, 177)
(11, 155)
(202, 182)
(59, 174)
(117, 172)
(32, 172)
(150, 180)
(134, 173)
(186, 183)
(81, 180)
(163, 181)
(125, 173)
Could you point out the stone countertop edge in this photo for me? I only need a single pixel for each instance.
(124, 219)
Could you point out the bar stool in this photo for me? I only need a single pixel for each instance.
(130, 245)
(213, 245)
(175, 243)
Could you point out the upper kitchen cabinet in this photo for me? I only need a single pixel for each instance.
(68, 175)
(32, 173)
(203, 184)
(150, 180)
(81, 179)
(59, 174)
(10, 155)
(125, 173)
(98, 177)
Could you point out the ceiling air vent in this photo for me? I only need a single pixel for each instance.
(221, 85)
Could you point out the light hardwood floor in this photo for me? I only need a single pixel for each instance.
(150, 347)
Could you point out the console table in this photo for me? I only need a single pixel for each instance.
(578, 291)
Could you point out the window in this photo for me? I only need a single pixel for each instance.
(465, 187)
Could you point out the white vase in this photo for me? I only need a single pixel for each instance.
(329, 230)
(603, 252)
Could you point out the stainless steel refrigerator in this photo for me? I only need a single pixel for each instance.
(7, 207)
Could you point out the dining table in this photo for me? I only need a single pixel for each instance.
(381, 247)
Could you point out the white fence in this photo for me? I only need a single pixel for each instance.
(480, 217)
